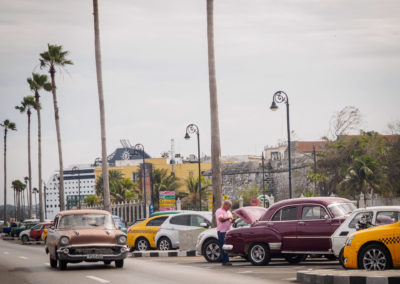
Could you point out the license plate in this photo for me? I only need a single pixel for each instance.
(94, 256)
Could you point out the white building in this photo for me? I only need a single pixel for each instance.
(75, 177)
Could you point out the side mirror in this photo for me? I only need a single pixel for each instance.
(204, 225)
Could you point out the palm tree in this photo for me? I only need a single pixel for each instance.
(192, 185)
(215, 137)
(36, 83)
(54, 57)
(162, 181)
(104, 163)
(7, 125)
(19, 187)
(26, 106)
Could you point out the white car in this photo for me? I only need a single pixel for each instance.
(379, 215)
(207, 242)
(167, 236)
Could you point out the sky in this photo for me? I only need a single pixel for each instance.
(324, 54)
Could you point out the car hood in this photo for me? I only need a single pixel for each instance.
(250, 214)
(91, 236)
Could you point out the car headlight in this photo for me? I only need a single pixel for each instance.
(349, 240)
(64, 241)
(121, 240)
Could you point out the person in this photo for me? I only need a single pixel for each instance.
(224, 223)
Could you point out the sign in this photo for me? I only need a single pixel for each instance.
(210, 203)
(151, 209)
(225, 197)
(167, 201)
(253, 201)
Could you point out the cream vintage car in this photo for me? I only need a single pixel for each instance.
(85, 235)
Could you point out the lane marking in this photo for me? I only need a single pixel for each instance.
(290, 279)
(6, 252)
(248, 271)
(101, 280)
(23, 257)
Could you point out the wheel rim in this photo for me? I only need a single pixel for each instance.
(257, 253)
(213, 251)
(374, 259)
(142, 245)
(164, 245)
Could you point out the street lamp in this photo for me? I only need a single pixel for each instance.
(74, 170)
(45, 207)
(282, 97)
(192, 129)
(263, 177)
(139, 147)
(35, 191)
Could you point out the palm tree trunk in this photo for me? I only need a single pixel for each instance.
(5, 176)
(106, 194)
(215, 137)
(41, 212)
(29, 165)
(60, 157)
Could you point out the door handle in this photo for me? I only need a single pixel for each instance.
(301, 223)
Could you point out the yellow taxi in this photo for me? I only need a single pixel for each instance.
(141, 236)
(376, 248)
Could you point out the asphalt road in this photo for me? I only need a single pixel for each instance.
(20, 264)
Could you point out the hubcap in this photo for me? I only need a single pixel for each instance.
(213, 251)
(142, 245)
(374, 259)
(164, 245)
(257, 253)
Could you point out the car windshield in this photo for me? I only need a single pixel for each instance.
(341, 209)
(86, 221)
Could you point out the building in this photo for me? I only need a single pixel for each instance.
(76, 178)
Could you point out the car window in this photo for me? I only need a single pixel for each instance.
(341, 209)
(277, 216)
(286, 214)
(357, 218)
(47, 226)
(156, 222)
(386, 217)
(86, 221)
(36, 227)
(313, 212)
(196, 220)
(183, 220)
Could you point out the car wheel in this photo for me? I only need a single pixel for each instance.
(119, 263)
(211, 251)
(259, 254)
(295, 258)
(62, 264)
(142, 244)
(374, 257)
(107, 262)
(164, 244)
(53, 262)
(24, 239)
(341, 258)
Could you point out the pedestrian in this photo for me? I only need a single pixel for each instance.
(224, 223)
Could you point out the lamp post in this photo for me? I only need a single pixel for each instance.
(45, 207)
(139, 147)
(282, 97)
(74, 170)
(35, 191)
(192, 129)
(263, 176)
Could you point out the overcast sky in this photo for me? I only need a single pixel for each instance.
(324, 54)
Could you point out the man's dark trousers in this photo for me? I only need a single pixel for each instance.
(224, 255)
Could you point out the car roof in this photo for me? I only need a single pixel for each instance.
(375, 208)
(83, 211)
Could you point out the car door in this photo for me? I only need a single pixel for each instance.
(152, 228)
(315, 228)
(284, 222)
(36, 232)
(197, 220)
(178, 223)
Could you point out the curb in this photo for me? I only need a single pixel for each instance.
(34, 243)
(9, 238)
(333, 277)
(164, 253)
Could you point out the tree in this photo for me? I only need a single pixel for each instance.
(54, 57)
(121, 189)
(7, 125)
(165, 155)
(27, 104)
(101, 106)
(247, 192)
(37, 83)
(215, 135)
(343, 121)
(192, 184)
(19, 188)
(91, 200)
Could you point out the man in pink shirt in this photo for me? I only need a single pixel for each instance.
(224, 223)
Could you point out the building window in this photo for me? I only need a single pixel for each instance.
(275, 156)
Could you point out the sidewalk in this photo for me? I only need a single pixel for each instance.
(163, 253)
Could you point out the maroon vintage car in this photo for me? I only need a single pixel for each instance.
(290, 228)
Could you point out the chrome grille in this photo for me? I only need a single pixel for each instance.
(92, 251)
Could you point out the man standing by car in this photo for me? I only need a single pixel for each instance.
(224, 222)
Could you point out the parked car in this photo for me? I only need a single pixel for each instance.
(167, 236)
(7, 230)
(35, 232)
(376, 248)
(141, 236)
(26, 224)
(378, 215)
(292, 228)
(120, 223)
(207, 242)
(85, 235)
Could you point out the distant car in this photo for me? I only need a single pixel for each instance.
(379, 215)
(168, 234)
(141, 236)
(207, 242)
(118, 221)
(292, 228)
(34, 233)
(7, 230)
(26, 224)
(376, 248)
(85, 235)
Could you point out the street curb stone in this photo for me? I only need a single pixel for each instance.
(332, 277)
(163, 253)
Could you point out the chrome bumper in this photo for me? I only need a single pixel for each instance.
(227, 247)
(63, 253)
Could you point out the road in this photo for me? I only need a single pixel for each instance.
(29, 264)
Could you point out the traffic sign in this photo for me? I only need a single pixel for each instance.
(253, 201)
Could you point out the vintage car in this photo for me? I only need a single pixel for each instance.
(35, 232)
(377, 216)
(290, 228)
(85, 235)
(376, 248)
(24, 225)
